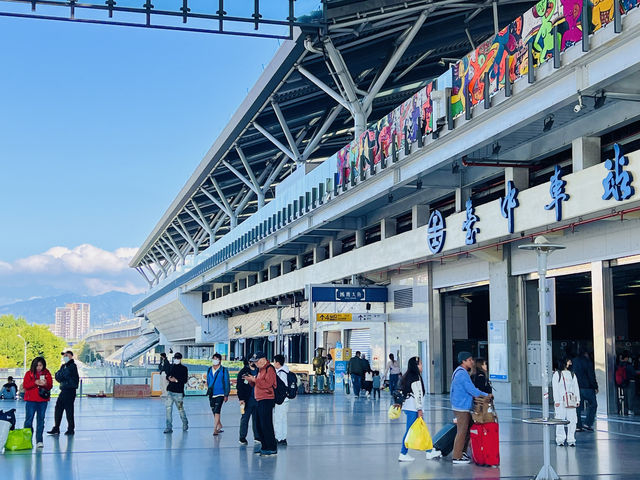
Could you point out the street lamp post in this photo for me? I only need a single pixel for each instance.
(24, 365)
(543, 248)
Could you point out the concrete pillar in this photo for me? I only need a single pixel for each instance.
(299, 262)
(585, 152)
(419, 216)
(319, 254)
(359, 238)
(519, 177)
(387, 227)
(504, 305)
(335, 248)
(273, 271)
(462, 195)
(604, 349)
(285, 266)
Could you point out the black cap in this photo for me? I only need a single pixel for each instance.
(177, 355)
(257, 356)
(67, 351)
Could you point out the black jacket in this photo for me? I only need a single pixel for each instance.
(245, 390)
(164, 365)
(181, 374)
(355, 366)
(583, 368)
(67, 376)
(481, 382)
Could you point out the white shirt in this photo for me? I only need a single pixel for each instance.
(558, 385)
(414, 401)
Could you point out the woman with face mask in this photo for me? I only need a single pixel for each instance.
(218, 391)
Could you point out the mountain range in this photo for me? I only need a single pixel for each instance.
(105, 308)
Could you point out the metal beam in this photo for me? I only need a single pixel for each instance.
(315, 141)
(286, 130)
(198, 221)
(221, 195)
(185, 234)
(157, 262)
(216, 201)
(496, 26)
(393, 61)
(275, 141)
(252, 176)
(414, 64)
(141, 272)
(205, 224)
(240, 176)
(172, 245)
(165, 254)
(324, 87)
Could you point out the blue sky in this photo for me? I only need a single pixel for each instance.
(101, 126)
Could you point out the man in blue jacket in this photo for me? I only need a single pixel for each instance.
(462, 393)
(219, 387)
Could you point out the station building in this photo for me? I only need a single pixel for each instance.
(412, 149)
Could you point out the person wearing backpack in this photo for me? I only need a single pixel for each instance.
(412, 388)
(566, 398)
(626, 380)
(218, 390)
(265, 392)
(280, 411)
(586, 375)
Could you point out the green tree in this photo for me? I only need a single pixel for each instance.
(40, 342)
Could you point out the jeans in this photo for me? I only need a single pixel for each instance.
(461, 443)
(332, 381)
(178, 399)
(31, 409)
(376, 391)
(64, 404)
(265, 425)
(411, 417)
(356, 380)
(250, 412)
(280, 420)
(393, 382)
(587, 395)
(629, 396)
(320, 382)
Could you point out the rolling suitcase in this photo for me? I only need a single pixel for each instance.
(443, 440)
(485, 444)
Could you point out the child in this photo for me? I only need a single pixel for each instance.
(566, 397)
(376, 384)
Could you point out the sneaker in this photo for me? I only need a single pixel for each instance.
(69, 432)
(433, 453)
(243, 441)
(572, 444)
(462, 461)
(39, 445)
(405, 457)
(560, 444)
(268, 453)
(588, 428)
(168, 430)
(282, 442)
(185, 428)
(53, 431)
(579, 429)
(256, 442)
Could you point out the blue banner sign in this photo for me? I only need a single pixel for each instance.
(348, 294)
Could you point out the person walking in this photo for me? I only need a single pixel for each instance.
(9, 390)
(37, 384)
(218, 390)
(68, 378)
(392, 373)
(264, 391)
(248, 403)
(462, 393)
(355, 370)
(627, 383)
(280, 411)
(177, 377)
(566, 398)
(376, 384)
(586, 374)
(163, 368)
(331, 372)
(413, 391)
(480, 376)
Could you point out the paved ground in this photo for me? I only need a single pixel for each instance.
(329, 437)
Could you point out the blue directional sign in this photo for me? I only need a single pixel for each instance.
(328, 293)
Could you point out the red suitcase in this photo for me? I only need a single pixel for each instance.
(485, 444)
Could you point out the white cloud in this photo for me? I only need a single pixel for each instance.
(84, 259)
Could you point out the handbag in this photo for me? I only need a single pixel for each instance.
(570, 399)
(44, 393)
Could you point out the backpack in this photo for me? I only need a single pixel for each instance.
(621, 375)
(280, 390)
(9, 416)
(292, 387)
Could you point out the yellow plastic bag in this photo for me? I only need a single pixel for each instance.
(394, 412)
(418, 437)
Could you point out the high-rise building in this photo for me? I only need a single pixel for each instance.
(73, 320)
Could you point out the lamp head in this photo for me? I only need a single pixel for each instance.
(542, 244)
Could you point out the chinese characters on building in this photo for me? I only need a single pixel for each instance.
(556, 190)
(469, 224)
(436, 232)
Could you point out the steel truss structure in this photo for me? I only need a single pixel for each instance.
(321, 88)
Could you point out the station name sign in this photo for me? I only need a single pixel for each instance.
(332, 293)
(351, 317)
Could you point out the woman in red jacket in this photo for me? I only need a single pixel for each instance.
(37, 385)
